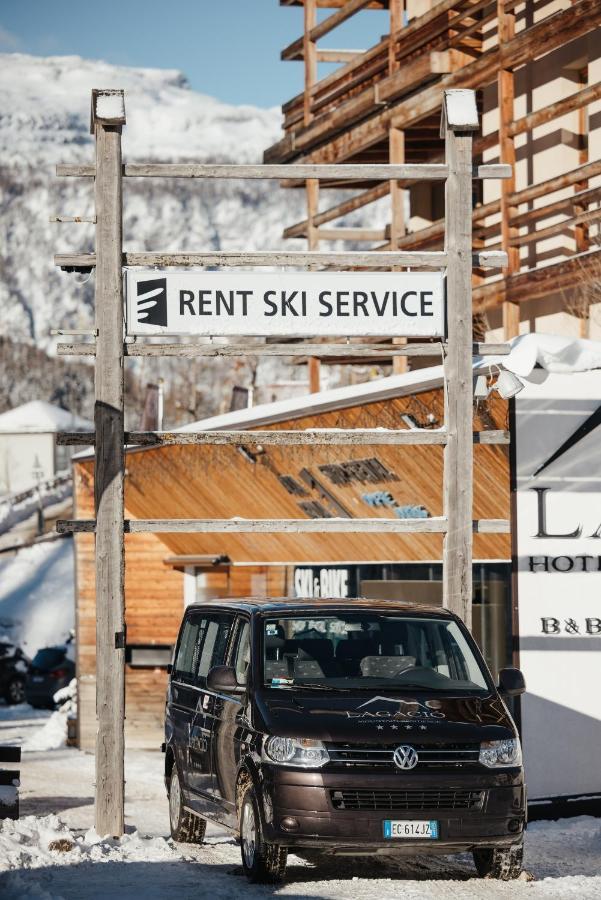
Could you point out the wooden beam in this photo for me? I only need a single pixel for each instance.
(108, 485)
(591, 216)
(370, 259)
(566, 204)
(559, 108)
(506, 98)
(293, 438)
(458, 455)
(433, 525)
(351, 234)
(537, 283)
(558, 183)
(314, 374)
(335, 56)
(324, 351)
(333, 172)
(302, 171)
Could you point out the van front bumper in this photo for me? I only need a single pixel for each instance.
(299, 809)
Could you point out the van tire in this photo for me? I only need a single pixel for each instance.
(263, 863)
(186, 828)
(502, 864)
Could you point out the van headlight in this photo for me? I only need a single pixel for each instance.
(500, 754)
(302, 752)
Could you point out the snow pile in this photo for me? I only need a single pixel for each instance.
(553, 352)
(53, 734)
(33, 842)
(37, 594)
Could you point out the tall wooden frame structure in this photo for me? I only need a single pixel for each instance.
(460, 120)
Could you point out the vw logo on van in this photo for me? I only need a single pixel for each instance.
(405, 757)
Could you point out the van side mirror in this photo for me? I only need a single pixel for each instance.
(511, 682)
(169, 668)
(222, 679)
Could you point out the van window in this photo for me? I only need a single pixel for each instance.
(214, 645)
(242, 657)
(186, 661)
(371, 650)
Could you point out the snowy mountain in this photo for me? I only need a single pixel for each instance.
(44, 119)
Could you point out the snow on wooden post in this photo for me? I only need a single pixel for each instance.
(108, 117)
(459, 121)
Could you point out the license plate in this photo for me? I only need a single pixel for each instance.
(37, 678)
(410, 828)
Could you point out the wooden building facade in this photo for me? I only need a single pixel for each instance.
(537, 70)
(163, 572)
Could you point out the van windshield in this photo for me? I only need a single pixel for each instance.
(368, 650)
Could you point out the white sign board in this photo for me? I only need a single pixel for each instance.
(407, 304)
(558, 482)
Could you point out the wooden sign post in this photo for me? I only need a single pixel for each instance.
(108, 116)
(153, 307)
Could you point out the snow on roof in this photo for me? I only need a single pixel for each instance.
(40, 417)
(323, 401)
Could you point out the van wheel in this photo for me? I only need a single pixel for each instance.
(263, 863)
(497, 863)
(185, 826)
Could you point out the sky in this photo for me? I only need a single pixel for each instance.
(229, 49)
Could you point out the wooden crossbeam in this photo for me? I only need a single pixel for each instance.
(334, 56)
(432, 525)
(298, 437)
(581, 198)
(427, 259)
(342, 172)
(323, 351)
(567, 179)
(558, 228)
(556, 109)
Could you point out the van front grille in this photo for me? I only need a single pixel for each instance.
(437, 754)
(365, 799)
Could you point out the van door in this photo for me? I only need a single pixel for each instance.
(230, 723)
(218, 627)
(183, 692)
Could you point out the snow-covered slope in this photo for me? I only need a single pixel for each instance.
(44, 119)
(36, 594)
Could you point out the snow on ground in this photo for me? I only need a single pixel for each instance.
(57, 805)
(36, 594)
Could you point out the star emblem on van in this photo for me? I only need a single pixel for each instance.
(380, 728)
(395, 727)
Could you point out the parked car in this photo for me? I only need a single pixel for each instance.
(51, 669)
(13, 672)
(347, 726)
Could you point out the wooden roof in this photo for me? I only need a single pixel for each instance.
(225, 481)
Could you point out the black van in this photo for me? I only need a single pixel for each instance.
(348, 726)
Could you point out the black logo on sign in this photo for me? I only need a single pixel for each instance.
(151, 301)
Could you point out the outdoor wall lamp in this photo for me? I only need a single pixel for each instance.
(507, 384)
